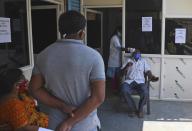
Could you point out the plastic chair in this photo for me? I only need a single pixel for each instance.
(147, 82)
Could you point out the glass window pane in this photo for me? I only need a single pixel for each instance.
(178, 36)
(16, 52)
(143, 25)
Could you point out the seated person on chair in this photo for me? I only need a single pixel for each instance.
(18, 109)
(133, 70)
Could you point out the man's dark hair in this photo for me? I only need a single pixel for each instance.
(71, 22)
(8, 78)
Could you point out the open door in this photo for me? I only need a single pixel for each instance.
(94, 37)
(44, 18)
(45, 14)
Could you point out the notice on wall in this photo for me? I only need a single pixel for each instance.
(146, 24)
(5, 30)
(180, 36)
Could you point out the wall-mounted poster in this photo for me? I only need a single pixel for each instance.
(5, 30)
(146, 24)
(180, 36)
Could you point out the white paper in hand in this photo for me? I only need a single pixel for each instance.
(44, 129)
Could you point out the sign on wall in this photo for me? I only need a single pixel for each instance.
(146, 24)
(180, 36)
(5, 30)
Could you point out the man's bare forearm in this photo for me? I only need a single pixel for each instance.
(93, 102)
(151, 76)
(85, 110)
(45, 97)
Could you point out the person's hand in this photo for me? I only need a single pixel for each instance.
(68, 109)
(131, 50)
(154, 78)
(129, 64)
(65, 126)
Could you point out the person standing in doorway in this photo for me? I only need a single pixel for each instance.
(114, 62)
(75, 76)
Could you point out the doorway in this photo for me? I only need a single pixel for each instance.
(111, 18)
(45, 16)
(94, 29)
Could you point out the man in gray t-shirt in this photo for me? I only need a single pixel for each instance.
(75, 75)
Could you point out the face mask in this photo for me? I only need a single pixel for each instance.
(119, 34)
(137, 56)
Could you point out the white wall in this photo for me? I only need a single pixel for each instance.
(178, 7)
(176, 71)
(102, 2)
(155, 64)
(177, 79)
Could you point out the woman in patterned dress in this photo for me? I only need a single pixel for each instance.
(18, 108)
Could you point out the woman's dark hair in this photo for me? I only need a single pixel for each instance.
(71, 22)
(8, 77)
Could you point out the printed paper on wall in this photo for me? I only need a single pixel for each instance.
(180, 36)
(5, 30)
(146, 24)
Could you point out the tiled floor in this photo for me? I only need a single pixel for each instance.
(114, 117)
